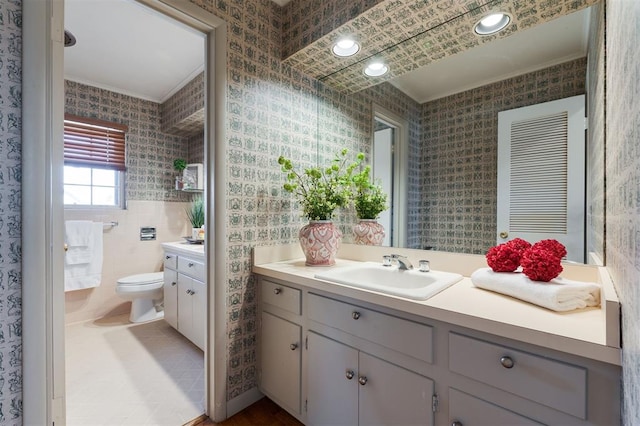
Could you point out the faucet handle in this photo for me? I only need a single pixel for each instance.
(386, 260)
(423, 266)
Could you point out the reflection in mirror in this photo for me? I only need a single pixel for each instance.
(450, 173)
(388, 165)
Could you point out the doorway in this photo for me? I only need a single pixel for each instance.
(389, 165)
(43, 297)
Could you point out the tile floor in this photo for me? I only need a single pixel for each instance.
(123, 374)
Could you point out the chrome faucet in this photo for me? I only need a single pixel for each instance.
(403, 262)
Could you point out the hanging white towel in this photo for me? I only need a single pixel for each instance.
(79, 239)
(78, 232)
(87, 275)
(558, 294)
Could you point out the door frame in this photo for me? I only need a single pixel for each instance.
(400, 163)
(43, 359)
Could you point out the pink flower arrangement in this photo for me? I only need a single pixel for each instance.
(540, 262)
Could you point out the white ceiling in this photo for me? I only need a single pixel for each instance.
(548, 44)
(127, 48)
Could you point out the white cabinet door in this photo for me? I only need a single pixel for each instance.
(199, 312)
(332, 382)
(280, 361)
(171, 297)
(391, 395)
(185, 302)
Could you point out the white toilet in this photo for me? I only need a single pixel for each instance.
(145, 293)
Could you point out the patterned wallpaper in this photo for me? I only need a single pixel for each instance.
(150, 152)
(183, 113)
(306, 21)
(623, 185)
(10, 218)
(595, 135)
(459, 155)
(408, 34)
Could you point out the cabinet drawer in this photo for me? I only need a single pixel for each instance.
(543, 380)
(469, 410)
(191, 267)
(281, 296)
(407, 337)
(170, 261)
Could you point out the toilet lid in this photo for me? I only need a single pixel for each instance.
(149, 278)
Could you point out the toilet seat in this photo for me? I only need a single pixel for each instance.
(142, 279)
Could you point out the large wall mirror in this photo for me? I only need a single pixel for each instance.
(449, 115)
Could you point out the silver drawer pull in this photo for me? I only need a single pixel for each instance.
(293, 346)
(277, 290)
(349, 374)
(190, 264)
(506, 362)
(173, 283)
(362, 380)
(355, 315)
(167, 257)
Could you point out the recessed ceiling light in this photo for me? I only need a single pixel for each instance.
(376, 69)
(345, 47)
(492, 23)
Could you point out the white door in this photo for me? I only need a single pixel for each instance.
(382, 173)
(541, 174)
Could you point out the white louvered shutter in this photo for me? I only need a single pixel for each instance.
(541, 183)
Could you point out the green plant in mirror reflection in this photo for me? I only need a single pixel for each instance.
(369, 199)
(321, 191)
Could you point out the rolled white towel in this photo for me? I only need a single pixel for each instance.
(558, 294)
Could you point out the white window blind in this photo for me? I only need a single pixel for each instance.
(94, 143)
(539, 175)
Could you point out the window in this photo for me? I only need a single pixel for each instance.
(94, 162)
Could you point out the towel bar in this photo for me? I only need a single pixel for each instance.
(110, 224)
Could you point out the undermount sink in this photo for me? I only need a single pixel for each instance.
(411, 283)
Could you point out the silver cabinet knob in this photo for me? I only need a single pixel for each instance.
(293, 346)
(173, 283)
(506, 362)
(349, 374)
(167, 257)
(277, 290)
(504, 234)
(355, 315)
(456, 423)
(190, 264)
(362, 380)
(188, 291)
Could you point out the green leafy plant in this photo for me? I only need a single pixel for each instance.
(321, 190)
(369, 199)
(179, 164)
(195, 213)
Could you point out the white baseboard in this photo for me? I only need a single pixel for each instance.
(243, 400)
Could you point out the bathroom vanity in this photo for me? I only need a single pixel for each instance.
(185, 290)
(336, 354)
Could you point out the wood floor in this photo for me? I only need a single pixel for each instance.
(263, 413)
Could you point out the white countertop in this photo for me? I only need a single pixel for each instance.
(185, 248)
(590, 332)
